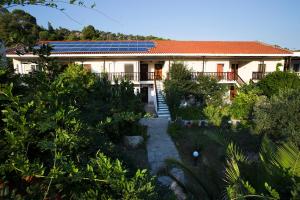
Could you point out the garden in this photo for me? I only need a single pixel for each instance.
(248, 148)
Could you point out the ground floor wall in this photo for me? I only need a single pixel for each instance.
(246, 66)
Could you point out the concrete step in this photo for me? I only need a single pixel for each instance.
(163, 109)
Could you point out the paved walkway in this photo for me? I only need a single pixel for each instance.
(160, 147)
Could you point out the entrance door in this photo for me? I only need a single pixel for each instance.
(234, 71)
(144, 94)
(232, 92)
(144, 72)
(158, 72)
(220, 71)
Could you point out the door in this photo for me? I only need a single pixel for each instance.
(144, 72)
(234, 71)
(144, 94)
(232, 92)
(158, 72)
(220, 71)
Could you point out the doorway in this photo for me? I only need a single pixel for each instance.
(234, 71)
(220, 68)
(233, 92)
(144, 94)
(144, 72)
(158, 71)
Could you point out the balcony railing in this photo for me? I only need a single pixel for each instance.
(259, 75)
(132, 76)
(221, 76)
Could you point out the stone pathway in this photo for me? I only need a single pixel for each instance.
(160, 147)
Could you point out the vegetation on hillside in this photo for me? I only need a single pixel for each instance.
(19, 27)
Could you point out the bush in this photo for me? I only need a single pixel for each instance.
(276, 81)
(49, 139)
(216, 114)
(178, 71)
(173, 96)
(243, 103)
(209, 91)
(279, 117)
(190, 113)
(174, 130)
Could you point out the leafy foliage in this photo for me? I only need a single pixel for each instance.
(273, 176)
(206, 90)
(51, 134)
(279, 117)
(19, 27)
(276, 81)
(209, 91)
(217, 114)
(178, 71)
(243, 103)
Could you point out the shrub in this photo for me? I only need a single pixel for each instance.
(178, 71)
(173, 96)
(216, 114)
(209, 91)
(242, 105)
(276, 81)
(279, 117)
(190, 113)
(174, 130)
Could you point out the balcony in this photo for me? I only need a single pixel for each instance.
(221, 76)
(259, 75)
(131, 76)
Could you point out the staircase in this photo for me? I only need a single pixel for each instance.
(162, 107)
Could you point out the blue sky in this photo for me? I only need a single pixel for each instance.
(271, 21)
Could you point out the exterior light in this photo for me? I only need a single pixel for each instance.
(196, 155)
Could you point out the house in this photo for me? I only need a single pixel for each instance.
(147, 63)
(295, 62)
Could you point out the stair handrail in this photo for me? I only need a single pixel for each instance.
(239, 80)
(156, 96)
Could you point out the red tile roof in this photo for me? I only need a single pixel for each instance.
(215, 47)
(195, 47)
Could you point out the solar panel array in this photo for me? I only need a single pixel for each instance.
(107, 47)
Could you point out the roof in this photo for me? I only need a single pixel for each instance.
(170, 47)
(217, 47)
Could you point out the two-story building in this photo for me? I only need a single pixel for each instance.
(147, 63)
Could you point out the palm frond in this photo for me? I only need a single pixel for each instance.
(288, 157)
(234, 153)
(218, 137)
(232, 172)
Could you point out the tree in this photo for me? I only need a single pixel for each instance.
(18, 27)
(279, 117)
(89, 33)
(50, 28)
(44, 35)
(276, 81)
(178, 71)
(50, 145)
(209, 91)
(243, 103)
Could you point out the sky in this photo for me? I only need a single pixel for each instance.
(270, 21)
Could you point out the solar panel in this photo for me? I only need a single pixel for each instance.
(101, 46)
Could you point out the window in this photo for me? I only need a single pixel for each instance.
(296, 67)
(262, 67)
(128, 68)
(87, 67)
